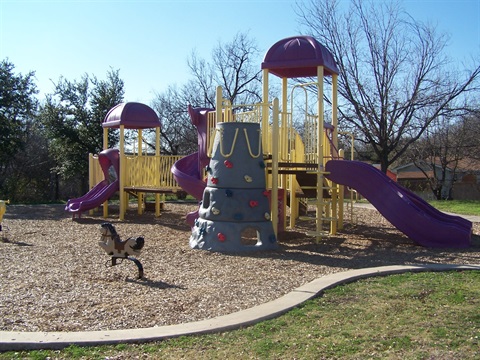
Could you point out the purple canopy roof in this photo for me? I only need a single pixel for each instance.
(132, 115)
(298, 56)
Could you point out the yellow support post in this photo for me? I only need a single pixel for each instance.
(274, 199)
(140, 196)
(319, 203)
(338, 214)
(284, 129)
(157, 154)
(341, 199)
(334, 109)
(105, 147)
(218, 105)
(265, 113)
(122, 174)
(105, 138)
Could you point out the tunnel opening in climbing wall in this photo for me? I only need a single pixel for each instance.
(250, 237)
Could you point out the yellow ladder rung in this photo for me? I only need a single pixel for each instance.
(306, 218)
(313, 201)
(316, 172)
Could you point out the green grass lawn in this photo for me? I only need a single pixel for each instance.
(464, 207)
(408, 316)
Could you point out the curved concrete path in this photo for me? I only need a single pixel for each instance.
(58, 340)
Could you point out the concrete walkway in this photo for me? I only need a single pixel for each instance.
(58, 340)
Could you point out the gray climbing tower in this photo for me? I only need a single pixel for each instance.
(234, 214)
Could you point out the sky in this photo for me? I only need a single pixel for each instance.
(149, 41)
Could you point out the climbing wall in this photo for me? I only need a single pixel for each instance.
(234, 215)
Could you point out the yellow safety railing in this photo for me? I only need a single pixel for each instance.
(226, 112)
(141, 171)
(94, 170)
(150, 171)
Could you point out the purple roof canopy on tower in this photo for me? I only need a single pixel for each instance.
(299, 56)
(131, 115)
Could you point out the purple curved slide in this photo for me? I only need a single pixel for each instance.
(408, 212)
(94, 198)
(187, 171)
(187, 175)
(109, 160)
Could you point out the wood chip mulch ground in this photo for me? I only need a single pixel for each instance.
(55, 277)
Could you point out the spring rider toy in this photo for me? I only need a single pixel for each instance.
(121, 249)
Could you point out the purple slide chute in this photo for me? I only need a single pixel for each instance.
(188, 170)
(104, 190)
(409, 213)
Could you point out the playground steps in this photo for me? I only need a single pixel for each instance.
(306, 177)
(308, 185)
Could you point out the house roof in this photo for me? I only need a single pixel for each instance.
(392, 175)
(414, 175)
(469, 164)
(464, 165)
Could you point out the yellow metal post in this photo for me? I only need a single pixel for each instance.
(274, 199)
(284, 128)
(337, 211)
(105, 147)
(140, 195)
(105, 138)
(157, 155)
(341, 199)
(218, 105)
(265, 113)
(334, 109)
(319, 204)
(284, 147)
(122, 174)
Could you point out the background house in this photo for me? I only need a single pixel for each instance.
(462, 183)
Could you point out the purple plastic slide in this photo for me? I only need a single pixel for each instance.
(408, 212)
(109, 161)
(187, 171)
(94, 198)
(187, 175)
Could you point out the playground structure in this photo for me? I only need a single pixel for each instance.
(304, 169)
(308, 170)
(130, 172)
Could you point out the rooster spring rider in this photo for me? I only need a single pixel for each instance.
(121, 249)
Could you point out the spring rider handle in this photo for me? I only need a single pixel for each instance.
(3, 209)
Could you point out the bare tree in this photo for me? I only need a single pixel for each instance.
(178, 135)
(233, 66)
(394, 76)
